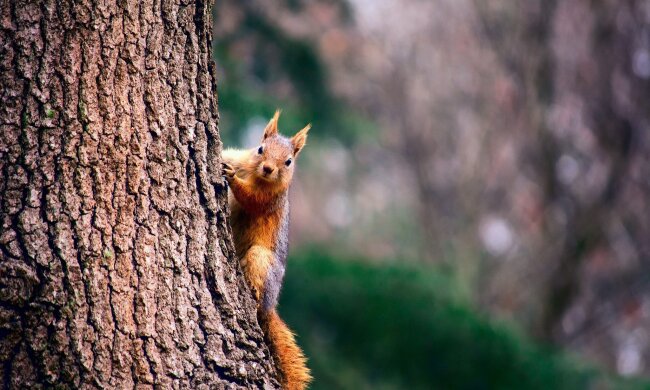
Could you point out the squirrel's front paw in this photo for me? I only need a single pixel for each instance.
(228, 171)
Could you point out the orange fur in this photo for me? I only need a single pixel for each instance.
(259, 180)
(256, 264)
(300, 139)
(293, 364)
(272, 127)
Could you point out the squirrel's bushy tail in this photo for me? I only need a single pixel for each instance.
(293, 363)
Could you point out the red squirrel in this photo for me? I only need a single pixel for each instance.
(259, 181)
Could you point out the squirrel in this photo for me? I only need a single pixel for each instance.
(259, 181)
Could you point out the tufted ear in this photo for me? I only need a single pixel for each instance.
(272, 126)
(298, 141)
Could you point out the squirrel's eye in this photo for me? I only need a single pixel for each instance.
(260, 150)
(288, 162)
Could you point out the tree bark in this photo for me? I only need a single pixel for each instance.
(118, 268)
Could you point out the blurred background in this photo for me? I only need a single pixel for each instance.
(473, 208)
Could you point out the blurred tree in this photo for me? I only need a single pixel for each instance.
(591, 72)
(580, 86)
(609, 198)
(420, 92)
(521, 36)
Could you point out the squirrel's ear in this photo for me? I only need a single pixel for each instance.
(272, 126)
(299, 140)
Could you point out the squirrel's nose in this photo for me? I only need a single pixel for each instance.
(267, 169)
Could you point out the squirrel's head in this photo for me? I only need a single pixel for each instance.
(275, 158)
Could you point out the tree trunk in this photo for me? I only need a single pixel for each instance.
(118, 268)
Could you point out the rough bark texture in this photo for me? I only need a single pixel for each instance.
(117, 266)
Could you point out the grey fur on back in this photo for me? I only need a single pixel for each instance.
(275, 275)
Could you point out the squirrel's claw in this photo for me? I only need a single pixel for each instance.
(228, 171)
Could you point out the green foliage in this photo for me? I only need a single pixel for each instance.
(238, 106)
(247, 90)
(402, 326)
